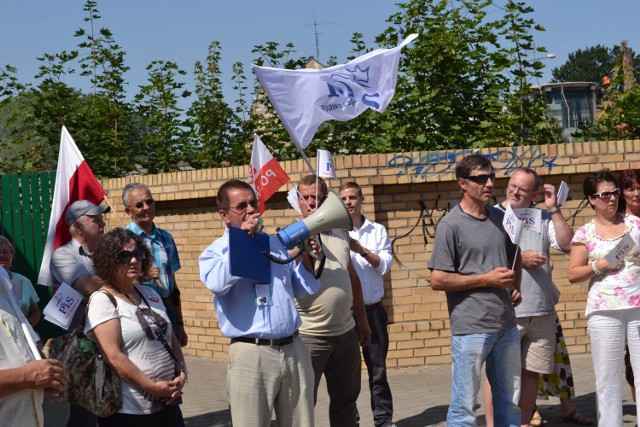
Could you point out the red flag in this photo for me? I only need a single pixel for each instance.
(74, 181)
(265, 174)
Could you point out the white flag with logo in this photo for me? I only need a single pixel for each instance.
(512, 225)
(306, 98)
(324, 165)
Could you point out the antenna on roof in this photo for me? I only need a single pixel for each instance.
(315, 30)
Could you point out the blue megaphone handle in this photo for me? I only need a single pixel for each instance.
(291, 234)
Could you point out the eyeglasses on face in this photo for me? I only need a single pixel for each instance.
(140, 204)
(515, 188)
(482, 178)
(607, 194)
(242, 206)
(124, 257)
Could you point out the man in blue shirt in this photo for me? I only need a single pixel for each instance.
(269, 366)
(140, 206)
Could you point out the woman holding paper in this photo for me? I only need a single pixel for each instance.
(605, 252)
(20, 285)
(134, 334)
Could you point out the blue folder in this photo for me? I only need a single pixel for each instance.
(245, 255)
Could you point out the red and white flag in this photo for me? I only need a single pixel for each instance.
(74, 181)
(265, 174)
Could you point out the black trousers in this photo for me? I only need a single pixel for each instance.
(375, 357)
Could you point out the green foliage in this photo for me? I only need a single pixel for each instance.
(163, 144)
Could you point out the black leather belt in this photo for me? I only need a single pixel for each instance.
(275, 342)
(373, 306)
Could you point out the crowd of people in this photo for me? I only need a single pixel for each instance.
(318, 309)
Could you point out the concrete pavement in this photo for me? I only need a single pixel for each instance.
(421, 396)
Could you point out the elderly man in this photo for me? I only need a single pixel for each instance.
(471, 261)
(269, 366)
(140, 206)
(72, 264)
(371, 257)
(328, 327)
(22, 378)
(536, 315)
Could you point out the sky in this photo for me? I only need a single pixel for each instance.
(181, 31)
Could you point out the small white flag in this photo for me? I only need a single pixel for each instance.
(325, 165)
(292, 198)
(563, 193)
(306, 98)
(531, 218)
(620, 250)
(512, 225)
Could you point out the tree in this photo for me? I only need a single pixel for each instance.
(209, 119)
(163, 143)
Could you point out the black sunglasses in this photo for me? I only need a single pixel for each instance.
(482, 179)
(148, 202)
(242, 206)
(607, 194)
(124, 257)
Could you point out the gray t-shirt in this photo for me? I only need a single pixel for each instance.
(539, 293)
(467, 245)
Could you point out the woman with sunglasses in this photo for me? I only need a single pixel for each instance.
(134, 335)
(613, 302)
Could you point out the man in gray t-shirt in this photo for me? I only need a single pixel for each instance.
(536, 315)
(471, 261)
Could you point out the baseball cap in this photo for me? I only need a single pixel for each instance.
(83, 207)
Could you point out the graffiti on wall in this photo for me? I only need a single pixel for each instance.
(504, 161)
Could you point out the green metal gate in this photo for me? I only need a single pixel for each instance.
(24, 219)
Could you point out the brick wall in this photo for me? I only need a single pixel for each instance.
(406, 192)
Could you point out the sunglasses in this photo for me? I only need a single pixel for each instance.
(148, 202)
(242, 206)
(482, 179)
(607, 194)
(124, 257)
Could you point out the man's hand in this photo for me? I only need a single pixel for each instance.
(252, 225)
(364, 334)
(550, 197)
(46, 374)
(516, 297)
(533, 259)
(500, 277)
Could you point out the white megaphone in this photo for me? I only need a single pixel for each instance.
(331, 214)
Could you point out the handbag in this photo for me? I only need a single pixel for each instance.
(92, 383)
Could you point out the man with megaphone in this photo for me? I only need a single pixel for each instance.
(328, 327)
(269, 366)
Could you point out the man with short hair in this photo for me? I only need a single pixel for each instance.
(269, 365)
(471, 261)
(72, 264)
(328, 327)
(371, 258)
(140, 206)
(536, 315)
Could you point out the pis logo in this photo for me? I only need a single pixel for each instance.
(348, 88)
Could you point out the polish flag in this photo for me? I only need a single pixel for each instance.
(74, 181)
(265, 174)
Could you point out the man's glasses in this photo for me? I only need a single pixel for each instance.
(124, 257)
(515, 188)
(140, 204)
(605, 195)
(481, 179)
(242, 206)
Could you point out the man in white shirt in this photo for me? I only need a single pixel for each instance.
(371, 258)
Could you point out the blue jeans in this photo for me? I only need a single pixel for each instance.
(501, 352)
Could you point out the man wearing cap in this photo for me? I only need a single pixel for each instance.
(140, 206)
(72, 264)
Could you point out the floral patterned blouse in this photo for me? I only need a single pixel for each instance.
(612, 290)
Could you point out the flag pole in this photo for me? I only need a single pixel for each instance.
(306, 159)
(108, 200)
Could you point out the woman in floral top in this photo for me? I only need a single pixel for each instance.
(613, 303)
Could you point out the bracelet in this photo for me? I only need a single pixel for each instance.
(365, 253)
(595, 268)
(554, 211)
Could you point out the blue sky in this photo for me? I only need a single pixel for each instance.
(181, 31)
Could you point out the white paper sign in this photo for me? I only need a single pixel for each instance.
(621, 249)
(530, 217)
(63, 306)
(512, 225)
(563, 193)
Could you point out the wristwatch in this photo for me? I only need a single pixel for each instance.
(554, 211)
